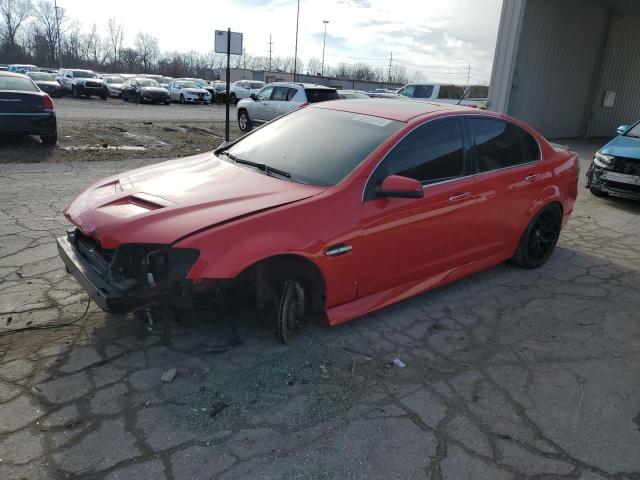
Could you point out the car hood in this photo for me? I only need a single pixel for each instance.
(194, 90)
(167, 201)
(623, 146)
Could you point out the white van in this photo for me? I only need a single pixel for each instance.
(446, 93)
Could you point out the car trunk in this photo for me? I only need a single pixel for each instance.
(21, 102)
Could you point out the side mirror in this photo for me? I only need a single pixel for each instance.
(400, 187)
(622, 129)
(253, 96)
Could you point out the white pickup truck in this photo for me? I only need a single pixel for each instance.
(445, 93)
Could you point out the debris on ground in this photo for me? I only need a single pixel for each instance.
(169, 375)
(399, 363)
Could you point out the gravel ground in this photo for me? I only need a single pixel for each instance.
(509, 373)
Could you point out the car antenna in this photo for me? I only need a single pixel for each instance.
(466, 92)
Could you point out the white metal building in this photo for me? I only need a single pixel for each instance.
(570, 68)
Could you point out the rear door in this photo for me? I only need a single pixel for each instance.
(510, 175)
(405, 239)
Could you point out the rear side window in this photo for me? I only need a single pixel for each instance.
(433, 152)
(321, 95)
(291, 92)
(451, 92)
(501, 145)
(17, 83)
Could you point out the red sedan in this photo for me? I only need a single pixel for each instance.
(339, 208)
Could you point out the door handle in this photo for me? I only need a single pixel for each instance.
(532, 178)
(458, 196)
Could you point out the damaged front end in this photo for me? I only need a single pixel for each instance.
(130, 277)
(613, 175)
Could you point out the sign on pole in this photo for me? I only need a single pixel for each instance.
(230, 43)
(235, 45)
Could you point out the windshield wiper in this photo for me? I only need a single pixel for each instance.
(260, 166)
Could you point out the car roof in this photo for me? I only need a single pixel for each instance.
(4, 73)
(303, 85)
(402, 110)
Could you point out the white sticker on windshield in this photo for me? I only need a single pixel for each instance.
(377, 121)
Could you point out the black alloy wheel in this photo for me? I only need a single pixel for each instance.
(540, 238)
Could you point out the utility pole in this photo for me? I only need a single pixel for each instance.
(324, 44)
(270, 44)
(468, 74)
(295, 55)
(55, 6)
(390, 60)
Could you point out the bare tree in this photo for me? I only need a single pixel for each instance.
(13, 14)
(129, 57)
(94, 48)
(148, 49)
(45, 17)
(115, 38)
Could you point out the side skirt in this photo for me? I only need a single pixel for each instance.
(362, 306)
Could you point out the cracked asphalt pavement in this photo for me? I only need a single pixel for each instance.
(509, 373)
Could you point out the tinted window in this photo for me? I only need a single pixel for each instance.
(530, 146)
(255, 85)
(83, 74)
(317, 146)
(453, 92)
(497, 144)
(431, 153)
(478, 91)
(280, 93)
(423, 91)
(291, 92)
(321, 95)
(17, 83)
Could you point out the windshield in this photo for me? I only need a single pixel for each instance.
(42, 76)
(633, 131)
(316, 146)
(148, 82)
(188, 85)
(83, 74)
(17, 83)
(256, 85)
(114, 80)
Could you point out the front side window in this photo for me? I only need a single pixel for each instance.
(498, 144)
(407, 91)
(433, 152)
(265, 94)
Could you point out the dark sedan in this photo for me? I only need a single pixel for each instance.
(47, 83)
(25, 109)
(143, 90)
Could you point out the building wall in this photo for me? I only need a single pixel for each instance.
(561, 45)
(620, 74)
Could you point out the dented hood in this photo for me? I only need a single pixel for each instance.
(164, 202)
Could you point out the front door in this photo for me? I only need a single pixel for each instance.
(404, 239)
(260, 106)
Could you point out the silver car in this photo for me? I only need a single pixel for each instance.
(114, 85)
(279, 98)
(188, 92)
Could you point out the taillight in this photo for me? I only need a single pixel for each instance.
(48, 103)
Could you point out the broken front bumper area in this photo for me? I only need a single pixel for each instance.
(613, 183)
(129, 278)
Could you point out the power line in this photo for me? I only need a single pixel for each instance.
(270, 45)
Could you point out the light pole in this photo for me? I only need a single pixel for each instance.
(295, 56)
(324, 44)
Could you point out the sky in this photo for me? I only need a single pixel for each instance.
(440, 38)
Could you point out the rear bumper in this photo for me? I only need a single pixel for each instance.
(28, 123)
(106, 296)
(613, 183)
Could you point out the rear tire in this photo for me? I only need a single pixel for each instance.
(49, 140)
(291, 310)
(539, 238)
(244, 122)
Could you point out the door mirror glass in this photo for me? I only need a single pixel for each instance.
(400, 187)
(622, 129)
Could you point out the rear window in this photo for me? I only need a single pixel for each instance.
(17, 83)
(321, 95)
(294, 144)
